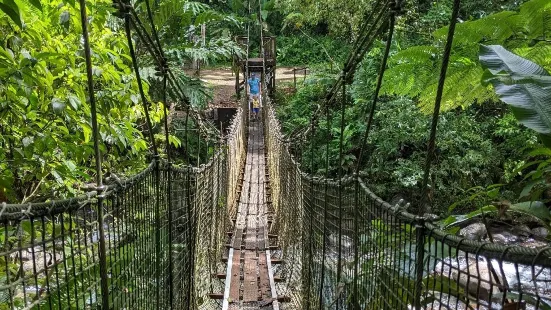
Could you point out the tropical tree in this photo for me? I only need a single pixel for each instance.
(411, 70)
(45, 130)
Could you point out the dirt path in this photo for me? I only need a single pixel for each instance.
(222, 81)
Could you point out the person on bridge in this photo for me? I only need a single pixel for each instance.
(256, 106)
(254, 86)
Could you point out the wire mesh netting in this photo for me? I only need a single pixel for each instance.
(345, 248)
(128, 239)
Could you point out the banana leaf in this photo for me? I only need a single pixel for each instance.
(522, 84)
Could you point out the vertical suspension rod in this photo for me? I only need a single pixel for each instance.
(437, 104)
(99, 177)
(140, 86)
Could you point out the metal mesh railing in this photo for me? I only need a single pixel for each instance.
(159, 254)
(345, 248)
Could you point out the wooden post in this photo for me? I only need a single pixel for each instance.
(237, 88)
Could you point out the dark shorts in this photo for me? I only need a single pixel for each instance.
(255, 110)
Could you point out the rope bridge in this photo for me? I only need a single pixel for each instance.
(345, 248)
(159, 240)
(159, 253)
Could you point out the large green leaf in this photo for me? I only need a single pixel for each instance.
(10, 8)
(536, 209)
(522, 84)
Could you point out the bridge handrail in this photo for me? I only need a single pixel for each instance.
(430, 251)
(53, 244)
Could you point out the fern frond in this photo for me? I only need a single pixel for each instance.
(414, 71)
(536, 16)
(416, 54)
(195, 7)
(494, 28)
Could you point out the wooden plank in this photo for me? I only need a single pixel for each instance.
(237, 239)
(264, 284)
(250, 284)
(255, 280)
(250, 239)
(235, 281)
(225, 303)
(260, 239)
(275, 304)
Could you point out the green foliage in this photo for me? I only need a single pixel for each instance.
(476, 147)
(523, 85)
(304, 49)
(45, 129)
(343, 18)
(179, 25)
(411, 70)
(46, 146)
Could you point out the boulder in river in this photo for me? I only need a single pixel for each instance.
(475, 231)
(484, 280)
(505, 237)
(540, 232)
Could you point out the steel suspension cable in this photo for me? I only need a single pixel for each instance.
(357, 55)
(153, 28)
(262, 52)
(247, 62)
(168, 195)
(436, 111)
(392, 21)
(162, 69)
(363, 29)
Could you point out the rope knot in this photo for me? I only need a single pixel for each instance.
(123, 8)
(396, 7)
(4, 206)
(162, 67)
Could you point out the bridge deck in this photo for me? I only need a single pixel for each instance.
(249, 279)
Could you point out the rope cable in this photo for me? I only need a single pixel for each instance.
(380, 77)
(91, 94)
(158, 54)
(436, 111)
(340, 175)
(99, 179)
(355, 58)
(140, 86)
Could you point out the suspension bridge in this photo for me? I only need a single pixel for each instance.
(250, 228)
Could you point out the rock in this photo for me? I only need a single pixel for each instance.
(444, 301)
(499, 238)
(474, 231)
(505, 237)
(540, 232)
(466, 273)
(522, 230)
(518, 278)
(478, 280)
(531, 243)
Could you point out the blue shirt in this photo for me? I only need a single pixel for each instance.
(254, 84)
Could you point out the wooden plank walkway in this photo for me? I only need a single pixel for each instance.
(249, 272)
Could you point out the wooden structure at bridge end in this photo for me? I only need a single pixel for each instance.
(265, 64)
